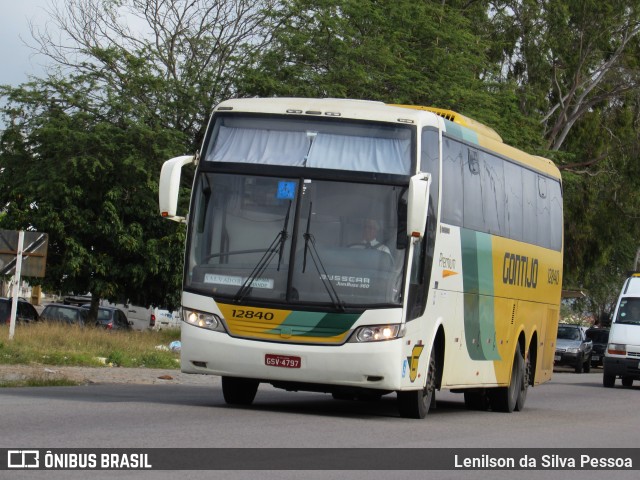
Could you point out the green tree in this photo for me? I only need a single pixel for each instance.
(567, 57)
(603, 202)
(87, 175)
(422, 53)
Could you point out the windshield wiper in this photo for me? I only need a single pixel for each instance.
(309, 240)
(277, 245)
(283, 236)
(306, 237)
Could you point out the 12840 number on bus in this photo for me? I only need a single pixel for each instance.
(250, 314)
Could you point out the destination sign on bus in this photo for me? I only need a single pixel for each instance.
(237, 281)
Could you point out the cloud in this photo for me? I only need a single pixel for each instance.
(18, 59)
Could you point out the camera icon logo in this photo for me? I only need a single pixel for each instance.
(23, 459)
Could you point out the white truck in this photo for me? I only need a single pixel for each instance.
(145, 318)
(622, 356)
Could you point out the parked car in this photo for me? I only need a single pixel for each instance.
(573, 348)
(77, 300)
(600, 338)
(111, 318)
(25, 312)
(69, 314)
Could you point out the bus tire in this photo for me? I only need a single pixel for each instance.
(524, 386)
(239, 391)
(416, 403)
(627, 381)
(505, 399)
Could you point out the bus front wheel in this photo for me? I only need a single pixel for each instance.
(416, 403)
(239, 391)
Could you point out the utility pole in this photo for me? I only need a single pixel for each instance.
(16, 285)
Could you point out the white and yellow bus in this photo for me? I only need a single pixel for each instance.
(360, 249)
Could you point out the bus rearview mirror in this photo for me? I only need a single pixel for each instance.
(170, 186)
(418, 204)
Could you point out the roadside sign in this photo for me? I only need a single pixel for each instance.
(21, 253)
(34, 253)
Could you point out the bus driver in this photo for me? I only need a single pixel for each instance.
(370, 231)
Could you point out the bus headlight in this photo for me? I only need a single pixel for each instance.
(377, 333)
(210, 321)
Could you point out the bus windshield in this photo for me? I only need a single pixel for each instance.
(328, 144)
(253, 238)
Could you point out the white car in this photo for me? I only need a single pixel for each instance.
(161, 319)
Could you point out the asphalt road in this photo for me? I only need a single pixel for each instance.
(570, 411)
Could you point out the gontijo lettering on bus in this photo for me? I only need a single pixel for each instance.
(520, 270)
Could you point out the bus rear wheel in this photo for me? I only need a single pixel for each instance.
(416, 403)
(239, 391)
(505, 399)
(524, 386)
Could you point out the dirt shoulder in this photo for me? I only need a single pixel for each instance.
(101, 375)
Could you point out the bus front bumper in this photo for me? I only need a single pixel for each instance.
(371, 365)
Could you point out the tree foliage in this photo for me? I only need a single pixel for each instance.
(423, 53)
(90, 182)
(568, 57)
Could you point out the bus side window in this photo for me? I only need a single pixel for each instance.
(452, 185)
(417, 287)
(543, 213)
(421, 264)
(555, 203)
(422, 260)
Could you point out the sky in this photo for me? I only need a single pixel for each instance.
(18, 60)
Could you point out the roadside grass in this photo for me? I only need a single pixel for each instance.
(38, 382)
(55, 344)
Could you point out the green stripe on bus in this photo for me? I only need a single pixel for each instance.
(316, 324)
(479, 313)
(334, 324)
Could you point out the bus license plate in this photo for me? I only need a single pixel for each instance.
(556, 358)
(284, 361)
